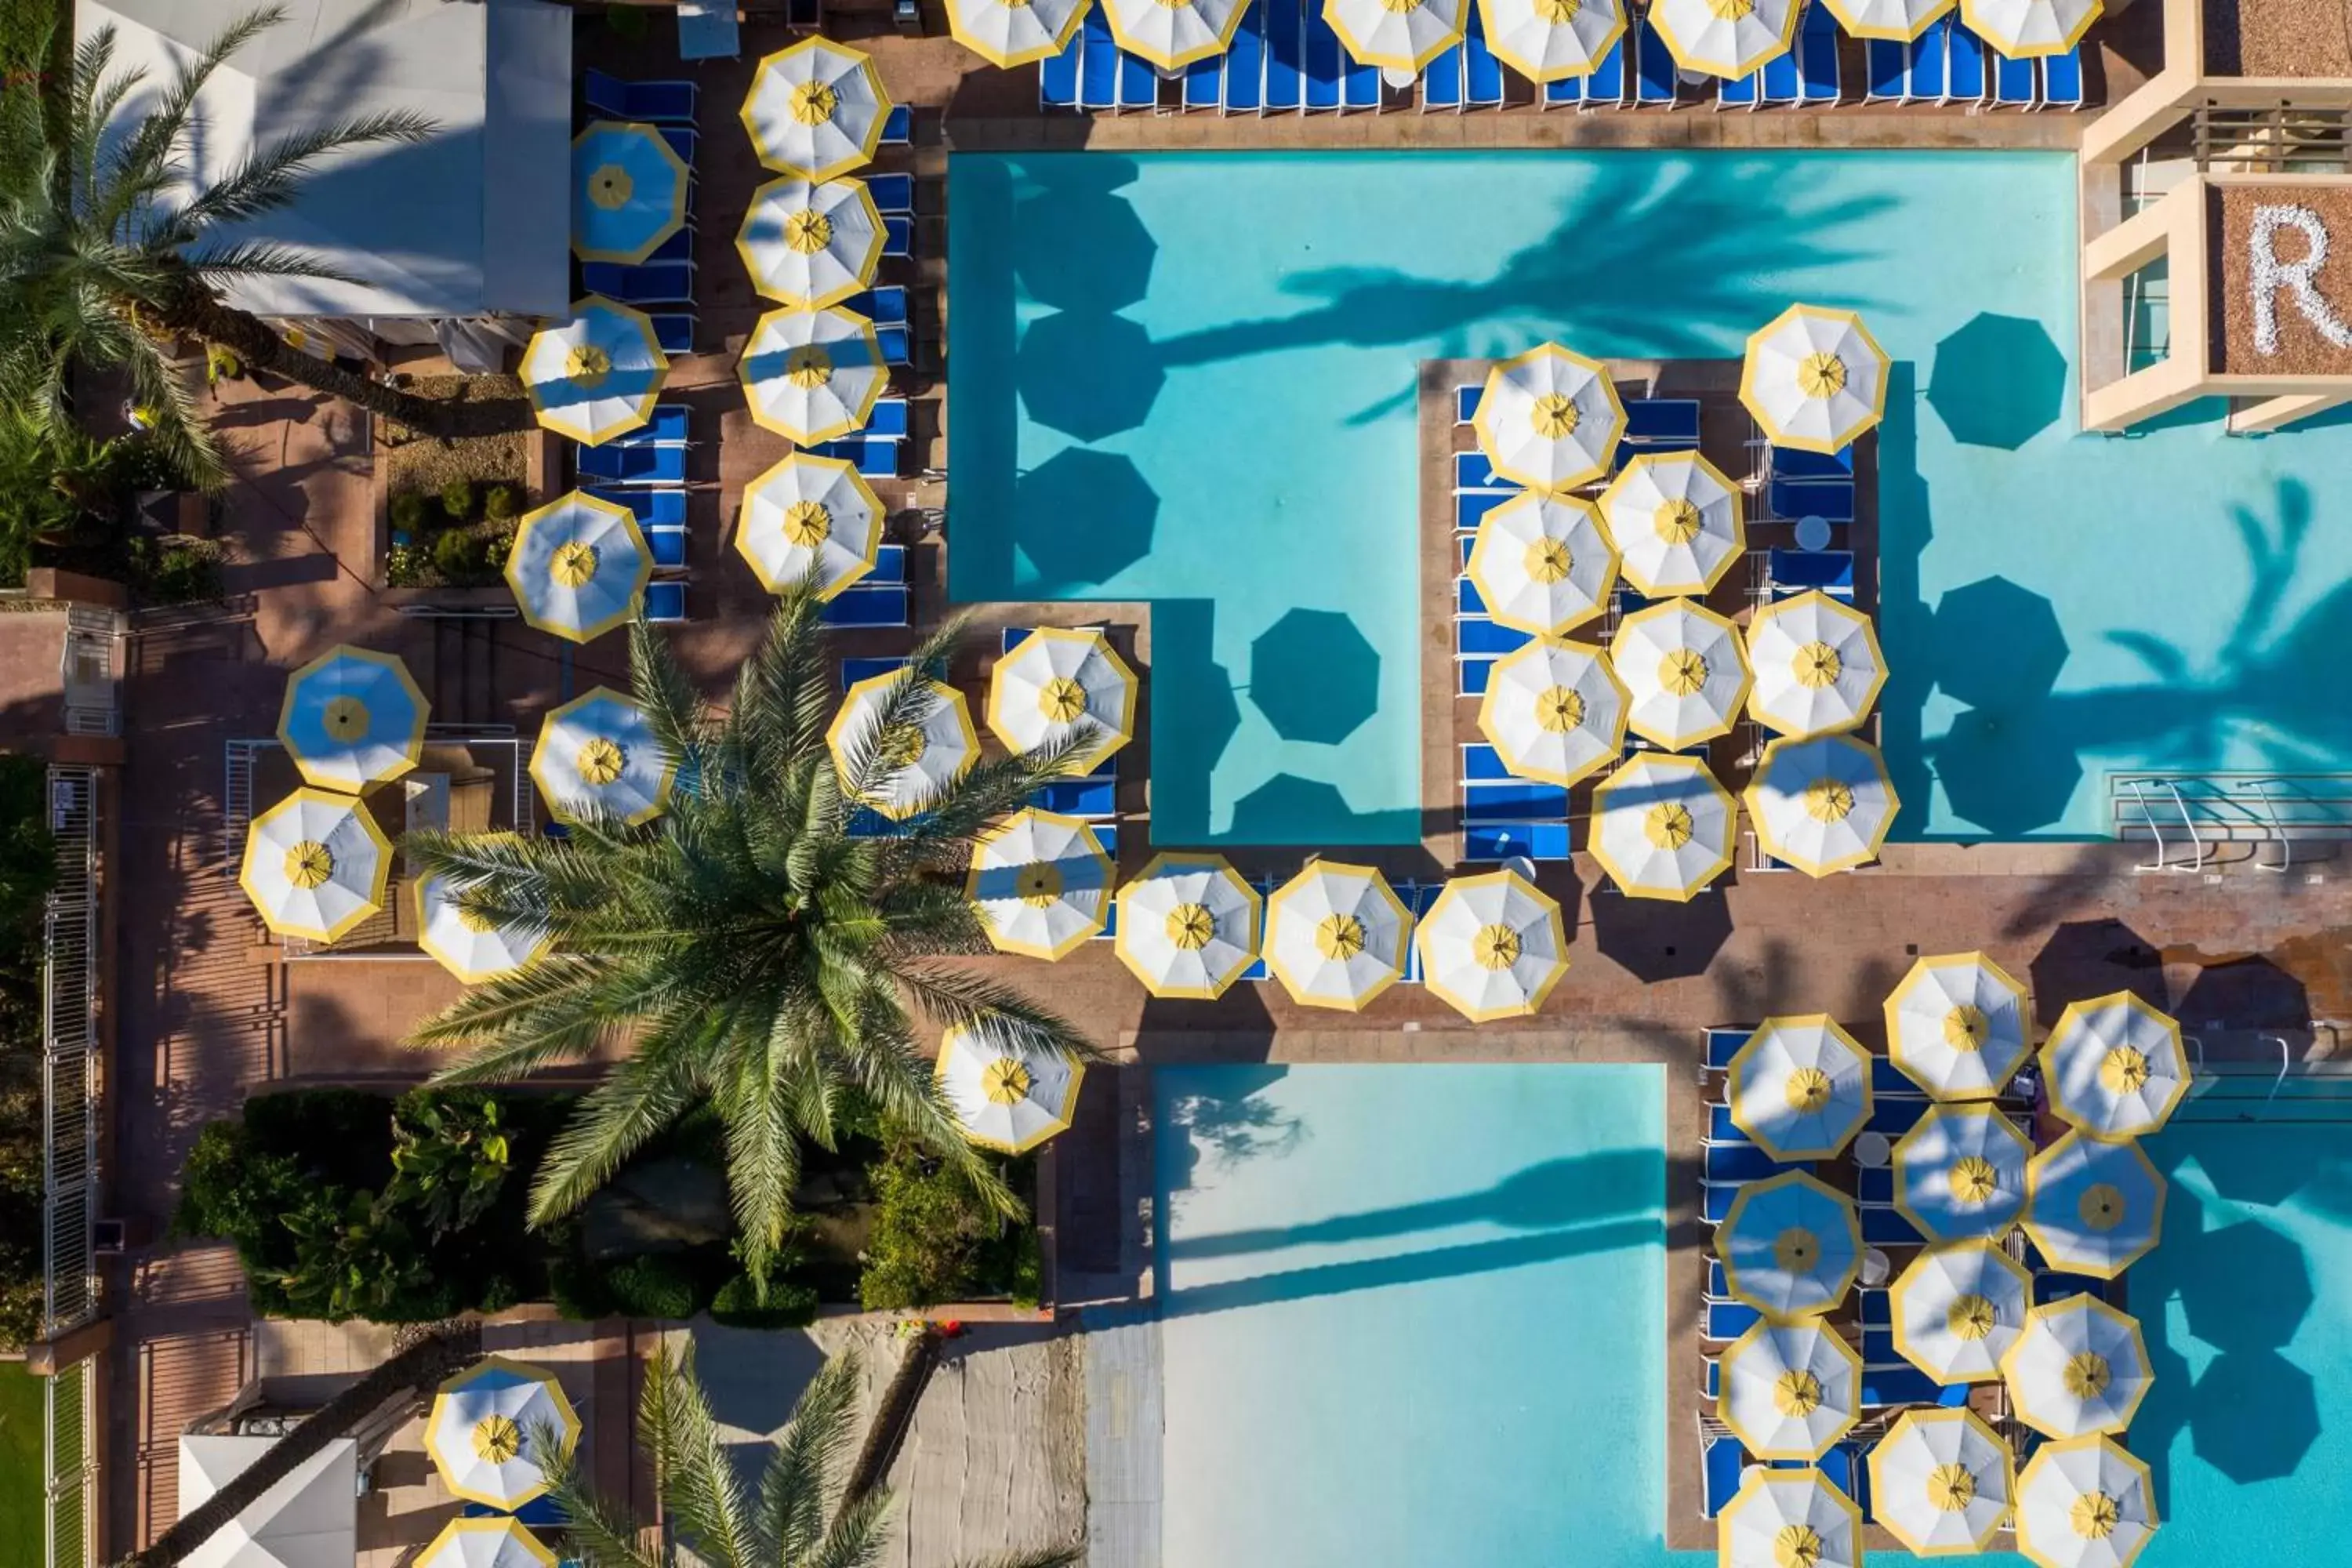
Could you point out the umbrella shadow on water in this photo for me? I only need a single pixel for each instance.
(1121, 513)
(1998, 381)
(1314, 676)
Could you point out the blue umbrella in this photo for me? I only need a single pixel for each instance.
(628, 192)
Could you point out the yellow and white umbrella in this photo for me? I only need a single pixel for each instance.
(1661, 826)
(315, 865)
(1940, 1481)
(1800, 1086)
(1542, 563)
(1823, 805)
(1059, 684)
(1815, 379)
(810, 244)
(628, 192)
(1677, 522)
(578, 565)
(1011, 32)
(930, 746)
(352, 719)
(597, 754)
(1171, 37)
(1955, 1025)
(1189, 925)
(810, 375)
(1397, 35)
(1006, 1098)
(2091, 1208)
(1789, 1519)
(1897, 21)
(1957, 1311)
(468, 946)
(484, 1429)
(1961, 1172)
(596, 376)
(1553, 711)
(1790, 1389)
(2022, 29)
(2080, 1367)
(1549, 419)
(1817, 665)
(1725, 37)
(500, 1541)
(809, 514)
(1336, 935)
(1682, 666)
(815, 110)
(1790, 1247)
(1041, 882)
(2113, 1067)
(1550, 41)
(2084, 1503)
(1492, 946)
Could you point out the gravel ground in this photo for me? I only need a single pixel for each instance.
(2278, 37)
(428, 465)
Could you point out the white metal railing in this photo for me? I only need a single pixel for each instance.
(69, 1472)
(90, 671)
(2273, 811)
(70, 1055)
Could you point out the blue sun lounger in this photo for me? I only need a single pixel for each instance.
(655, 102)
(1473, 475)
(1662, 423)
(1058, 76)
(1720, 1126)
(1724, 1322)
(1887, 1227)
(1324, 65)
(1469, 509)
(1475, 636)
(1818, 81)
(613, 464)
(665, 601)
(1889, 63)
(898, 127)
(1465, 402)
(1788, 573)
(1604, 86)
(875, 459)
(1730, 1164)
(2015, 83)
(1245, 64)
(2062, 79)
(867, 605)
(656, 283)
(854, 670)
(891, 193)
(1827, 500)
(1482, 73)
(1722, 1461)
(1928, 78)
(653, 505)
(1204, 82)
(1285, 56)
(1723, 1043)
(673, 330)
(1968, 82)
(885, 306)
(1653, 68)
(665, 429)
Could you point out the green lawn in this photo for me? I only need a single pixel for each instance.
(20, 1464)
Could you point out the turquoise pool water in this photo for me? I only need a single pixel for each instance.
(1187, 378)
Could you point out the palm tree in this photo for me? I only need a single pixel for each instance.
(747, 948)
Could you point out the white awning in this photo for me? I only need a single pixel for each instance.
(308, 1520)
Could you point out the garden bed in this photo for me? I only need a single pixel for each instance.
(452, 505)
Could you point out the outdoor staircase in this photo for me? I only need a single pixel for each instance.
(2273, 822)
(459, 673)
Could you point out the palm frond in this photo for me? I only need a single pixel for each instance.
(640, 1096)
(797, 1488)
(696, 1474)
(268, 178)
(595, 1532)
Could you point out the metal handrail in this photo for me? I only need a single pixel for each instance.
(2261, 787)
(2139, 798)
(2196, 840)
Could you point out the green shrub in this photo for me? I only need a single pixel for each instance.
(234, 1191)
(181, 572)
(577, 1287)
(354, 1258)
(927, 1230)
(407, 566)
(502, 504)
(458, 499)
(496, 548)
(450, 1154)
(789, 1305)
(458, 555)
(408, 512)
(658, 1285)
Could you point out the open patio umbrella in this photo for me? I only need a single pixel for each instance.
(597, 754)
(578, 567)
(2114, 1068)
(815, 110)
(1013, 33)
(1815, 379)
(500, 1541)
(1041, 882)
(1006, 1098)
(1961, 1172)
(2091, 1208)
(1789, 1519)
(1817, 665)
(1958, 1308)
(468, 946)
(1677, 522)
(1492, 946)
(1940, 1481)
(809, 244)
(2022, 29)
(810, 375)
(1543, 564)
(929, 746)
(1059, 684)
(1336, 935)
(809, 514)
(1661, 826)
(1189, 925)
(1790, 1389)
(1549, 419)
(1790, 1247)
(1955, 1025)
(1553, 711)
(628, 192)
(2084, 1503)
(2080, 1367)
(315, 865)
(1397, 35)
(1800, 1087)
(1896, 21)
(1725, 37)
(1823, 805)
(484, 1428)
(352, 719)
(1684, 670)
(596, 376)
(1169, 37)
(1551, 40)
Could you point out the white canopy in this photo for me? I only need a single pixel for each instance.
(308, 1520)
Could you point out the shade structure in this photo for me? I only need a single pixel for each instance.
(1061, 685)
(472, 949)
(1957, 1309)
(598, 755)
(1725, 37)
(1189, 925)
(810, 375)
(2079, 1367)
(315, 865)
(1790, 1389)
(916, 752)
(1005, 1098)
(2114, 1065)
(484, 1428)
(1548, 40)
(2023, 28)
(352, 717)
(1661, 826)
(1492, 946)
(1815, 379)
(596, 376)
(2092, 1209)
(1171, 37)
(578, 567)
(1677, 522)
(2084, 1503)
(1543, 564)
(1817, 665)
(1800, 1086)
(628, 192)
(1961, 1172)
(308, 1519)
(1550, 419)
(1899, 21)
(815, 110)
(1822, 804)
(1553, 711)
(1790, 1247)
(811, 243)
(1011, 33)
(1041, 882)
(1397, 35)
(498, 1541)
(1685, 671)
(1955, 1025)
(1940, 1481)
(1336, 935)
(809, 514)
(1789, 1519)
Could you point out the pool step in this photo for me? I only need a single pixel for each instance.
(2188, 818)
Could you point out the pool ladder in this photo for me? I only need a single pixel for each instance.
(2190, 817)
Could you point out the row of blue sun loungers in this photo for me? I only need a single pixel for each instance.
(1947, 64)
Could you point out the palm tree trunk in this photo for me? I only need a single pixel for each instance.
(895, 1416)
